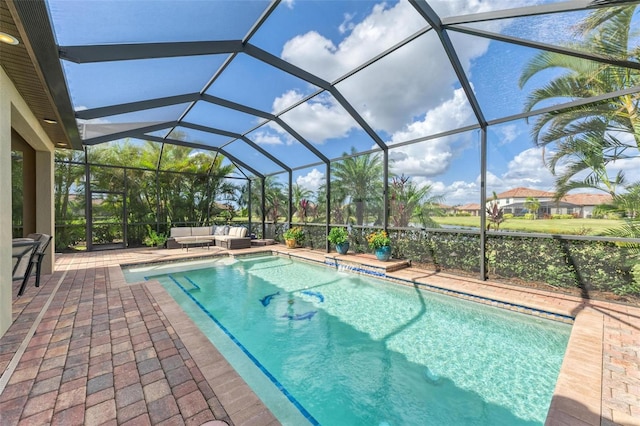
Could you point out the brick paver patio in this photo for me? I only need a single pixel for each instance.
(87, 348)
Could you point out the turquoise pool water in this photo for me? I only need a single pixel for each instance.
(343, 349)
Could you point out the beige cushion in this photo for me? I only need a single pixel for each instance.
(184, 231)
(201, 230)
(238, 231)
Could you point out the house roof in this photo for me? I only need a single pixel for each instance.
(575, 199)
(471, 206)
(549, 204)
(524, 193)
(588, 199)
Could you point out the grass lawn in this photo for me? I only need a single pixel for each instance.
(542, 226)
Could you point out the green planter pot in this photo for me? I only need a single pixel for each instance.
(342, 248)
(383, 253)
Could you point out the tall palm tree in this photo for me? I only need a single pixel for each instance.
(360, 178)
(584, 133)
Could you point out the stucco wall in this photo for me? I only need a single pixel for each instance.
(15, 114)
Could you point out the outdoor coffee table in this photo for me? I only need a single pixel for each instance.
(185, 242)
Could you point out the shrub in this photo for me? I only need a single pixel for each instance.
(529, 216)
(378, 239)
(338, 235)
(295, 233)
(562, 216)
(154, 239)
(508, 216)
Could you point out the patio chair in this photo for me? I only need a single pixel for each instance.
(42, 241)
(22, 252)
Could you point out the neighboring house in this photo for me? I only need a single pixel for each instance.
(580, 205)
(447, 210)
(473, 209)
(586, 202)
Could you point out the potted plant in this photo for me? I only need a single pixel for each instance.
(154, 239)
(294, 237)
(340, 238)
(380, 242)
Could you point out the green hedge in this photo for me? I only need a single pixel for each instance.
(564, 263)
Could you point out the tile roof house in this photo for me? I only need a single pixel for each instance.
(473, 209)
(579, 205)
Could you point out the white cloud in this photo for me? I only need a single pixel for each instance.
(317, 120)
(264, 138)
(507, 133)
(461, 192)
(631, 168)
(432, 157)
(456, 193)
(312, 180)
(526, 169)
(407, 83)
(347, 25)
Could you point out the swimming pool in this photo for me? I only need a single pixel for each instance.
(341, 348)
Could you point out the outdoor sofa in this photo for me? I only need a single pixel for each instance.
(228, 237)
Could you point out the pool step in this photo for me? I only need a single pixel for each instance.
(186, 284)
(364, 263)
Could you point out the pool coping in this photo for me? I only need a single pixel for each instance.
(577, 397)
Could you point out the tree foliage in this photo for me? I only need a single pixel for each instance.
(359, 180)
(589, 139)
(188, 187)
(410, 202)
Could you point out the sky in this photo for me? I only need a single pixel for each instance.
(410, 94)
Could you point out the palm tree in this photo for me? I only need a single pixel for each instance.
(587, 137)
(629, 202)
(580, 155)
(532, 204)
(410, 202)
(360, 178)
(300, 200)
(274, 198)
(338, 213)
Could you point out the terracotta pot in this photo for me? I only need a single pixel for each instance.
(291, 243)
